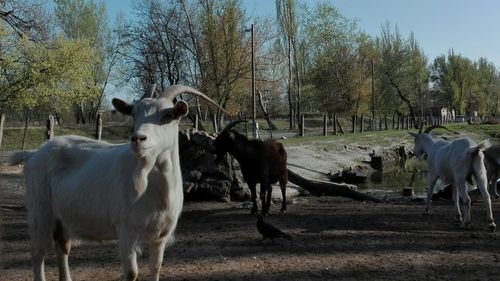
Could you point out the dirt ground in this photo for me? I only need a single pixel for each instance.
(334, 238)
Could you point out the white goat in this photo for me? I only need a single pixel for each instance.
(452, 162)
(86, 189)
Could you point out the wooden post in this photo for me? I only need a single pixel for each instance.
(196, 120)
(98, 127)
(340, 127)
(325, 125)
(385, 120)
(393, 125)
(354, 124)
(334, 124)
(302, 129)
(50, 127)
(26, 121)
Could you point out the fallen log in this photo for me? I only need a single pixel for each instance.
(322, 188)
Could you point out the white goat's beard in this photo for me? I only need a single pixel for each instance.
(141, 174)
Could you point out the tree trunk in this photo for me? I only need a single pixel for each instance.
(266, 114)
(25, 132)
(2, 122)
(323, 188)
(404, 99)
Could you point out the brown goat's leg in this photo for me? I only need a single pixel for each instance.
(263, 191)
(283, 194)
(253, 190)
(269, 189)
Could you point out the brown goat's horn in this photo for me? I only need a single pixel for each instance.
(233, 123)
(175, 90)
(150, 92)
(430, 128)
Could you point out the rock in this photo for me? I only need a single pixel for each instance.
(204, 179)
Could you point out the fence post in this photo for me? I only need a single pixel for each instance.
(354, 124)
(302, 129)
(98, 128)
(334, 124)
(325, 125)
(50, 127)
(196, 120)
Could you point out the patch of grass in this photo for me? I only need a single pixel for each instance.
(36, 136)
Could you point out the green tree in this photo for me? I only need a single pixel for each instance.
(466, 85)
(403, 71)
(87, 19)
(337, 60)
(286, 14)
(488, 101)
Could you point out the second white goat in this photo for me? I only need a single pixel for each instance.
(452, 161)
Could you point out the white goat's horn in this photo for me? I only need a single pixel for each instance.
(430, 128)
(175, 90)
(232, 124)
(150, 92)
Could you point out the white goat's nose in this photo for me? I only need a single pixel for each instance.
(137, 138)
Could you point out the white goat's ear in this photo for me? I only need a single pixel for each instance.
(413, 134)
(181, 109)
(122, 106)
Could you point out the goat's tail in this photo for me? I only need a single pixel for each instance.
(478, 167)
(19, 157)
(481, 146)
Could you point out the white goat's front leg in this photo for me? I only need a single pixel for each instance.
(128, 255)
(456, 204)
(462, 189)
(156, 249)
(431, 181)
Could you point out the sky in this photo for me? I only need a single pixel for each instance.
(469, 27)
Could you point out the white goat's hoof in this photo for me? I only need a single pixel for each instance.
(493, 227)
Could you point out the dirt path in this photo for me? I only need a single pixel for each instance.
(334, 238)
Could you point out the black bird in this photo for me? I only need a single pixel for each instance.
(269, 231)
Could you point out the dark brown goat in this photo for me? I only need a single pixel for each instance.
(492, 165)
(262, 162)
